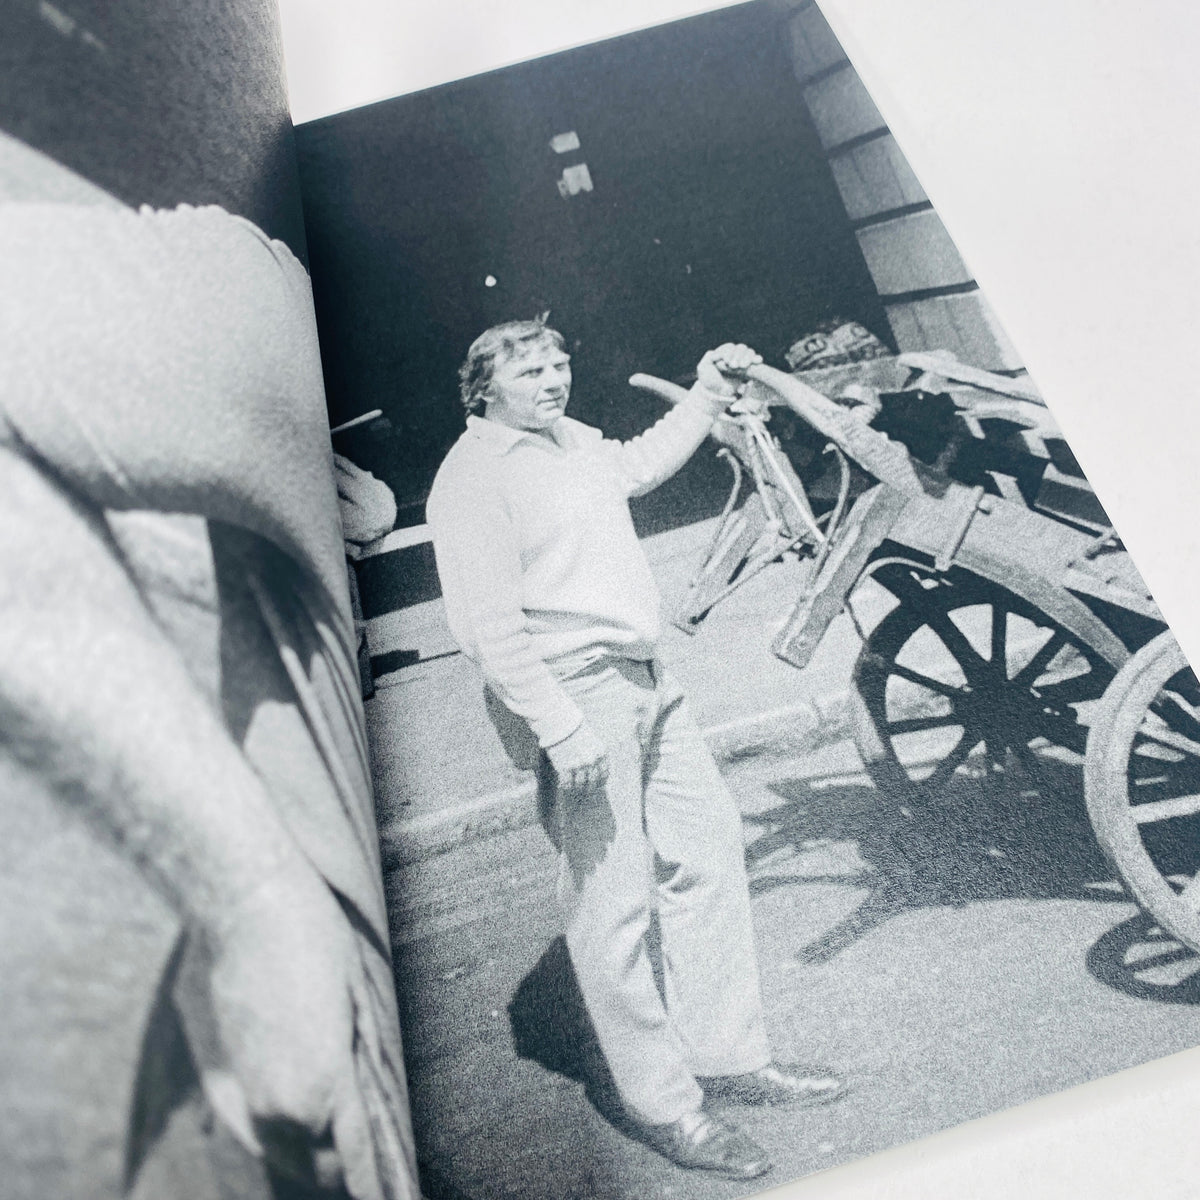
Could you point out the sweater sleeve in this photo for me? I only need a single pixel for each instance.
(479, 566)
(653, 457)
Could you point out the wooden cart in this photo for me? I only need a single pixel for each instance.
(1020, 643)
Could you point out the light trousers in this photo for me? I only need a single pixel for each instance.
(662, 835)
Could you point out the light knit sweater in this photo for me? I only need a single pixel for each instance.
(541, 570)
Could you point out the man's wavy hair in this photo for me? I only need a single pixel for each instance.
(512, 339)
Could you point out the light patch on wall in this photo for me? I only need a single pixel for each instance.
(489, 281)
(575, 179)
(55, 16)
(561, 143)
(66, 25)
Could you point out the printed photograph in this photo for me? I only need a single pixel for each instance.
(197, 990)
(777, 755)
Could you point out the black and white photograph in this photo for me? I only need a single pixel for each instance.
(777, 755)
(551, 643)
(198, 999)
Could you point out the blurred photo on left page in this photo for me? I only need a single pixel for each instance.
(194, 953)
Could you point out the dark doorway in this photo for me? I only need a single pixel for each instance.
(713, 217)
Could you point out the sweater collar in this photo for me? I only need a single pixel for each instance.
(500, 439)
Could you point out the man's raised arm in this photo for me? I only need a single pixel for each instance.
(653, 457)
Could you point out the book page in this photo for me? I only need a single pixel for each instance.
(443, 901)
(197, 987)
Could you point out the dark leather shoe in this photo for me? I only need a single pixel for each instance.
(777, 1085)
(699, 1141)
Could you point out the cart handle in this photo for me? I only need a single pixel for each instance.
(724, 431)
(875, 452)
(744, 435)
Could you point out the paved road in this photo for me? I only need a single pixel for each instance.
(965, 959)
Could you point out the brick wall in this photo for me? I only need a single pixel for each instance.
(931, 299)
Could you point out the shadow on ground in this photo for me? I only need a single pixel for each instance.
(985, 837)
(1141, 960)
(551, 1027)
(511, 1092)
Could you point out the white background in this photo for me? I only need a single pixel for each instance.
(1057, 139)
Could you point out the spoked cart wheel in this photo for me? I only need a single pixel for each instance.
(964, 676)
(1142, 784)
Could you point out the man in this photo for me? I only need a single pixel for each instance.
(547, 588)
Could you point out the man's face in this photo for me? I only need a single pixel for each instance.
(529, 389)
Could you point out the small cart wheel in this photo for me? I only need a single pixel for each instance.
(966, 676)
(1142, 784)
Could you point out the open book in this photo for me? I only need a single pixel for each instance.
(299, 761)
